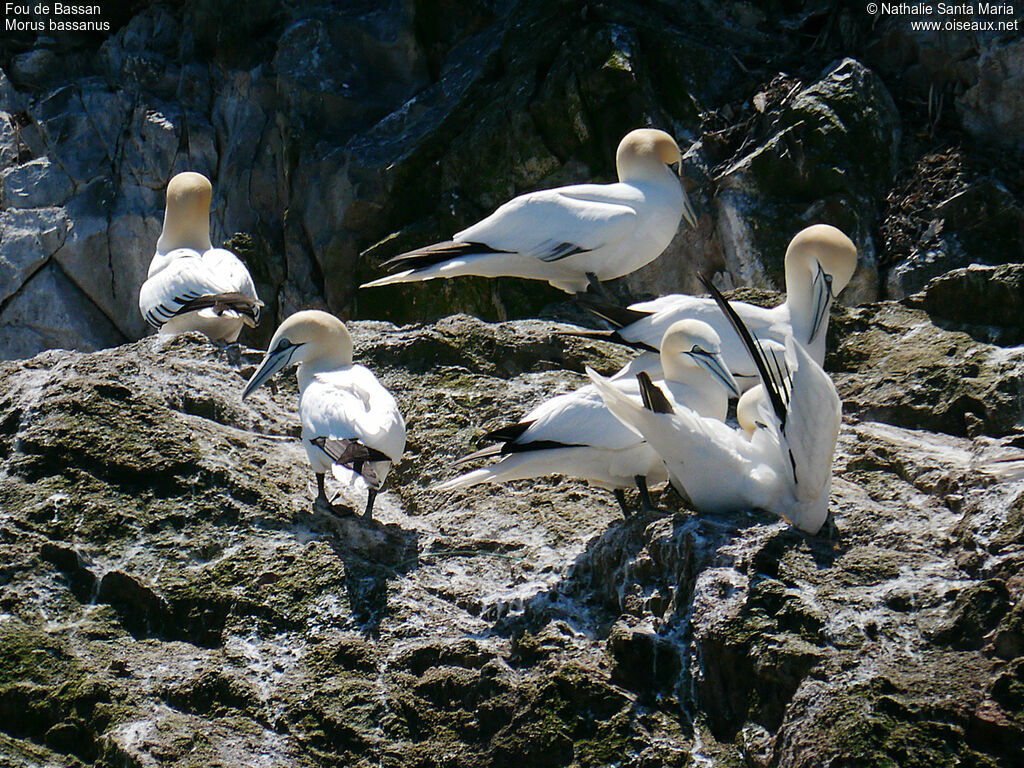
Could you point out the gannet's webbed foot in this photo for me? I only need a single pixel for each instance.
(646, 504)
(233, 353)
(620, 496)
(370, 498)
(322, 503)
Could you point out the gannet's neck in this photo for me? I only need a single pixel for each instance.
(800, 297)
(328, 354)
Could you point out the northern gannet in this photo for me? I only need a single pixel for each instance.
(193, 286)
(575, 435)
(820, 261)
(570, 236)
(351, 425)
(785, 467)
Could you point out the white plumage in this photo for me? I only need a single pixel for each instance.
(571, 235)
(351, 425)
(820, 261)
(785, 467)
(575, 435)
(192, 286)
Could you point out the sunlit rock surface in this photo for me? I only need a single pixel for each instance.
(169, 598)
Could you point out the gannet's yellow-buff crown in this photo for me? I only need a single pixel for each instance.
(187, 216)
(645, 150)
(683, 335)
(827, 246)
(323, 333)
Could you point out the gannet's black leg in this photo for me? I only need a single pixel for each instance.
(646, 505)
(829, 530)
(322, 504)
(370, 498)
(598, 288)
(620, 496)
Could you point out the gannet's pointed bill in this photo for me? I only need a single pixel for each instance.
(279, 356)
(688, 213)
(713, 362)
(821, 300)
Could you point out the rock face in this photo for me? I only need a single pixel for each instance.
(340, 135)
(170, 599)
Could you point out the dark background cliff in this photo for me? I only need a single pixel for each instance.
(338, 134)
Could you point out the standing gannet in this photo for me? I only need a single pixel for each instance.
(570, 236)
(575, 435)
(350, 424)
(820, 261)
(193, 286)
(785, 467)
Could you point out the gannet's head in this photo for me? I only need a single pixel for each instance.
(747, 409)
(307, 336)
(691, 345)
(187, 216)
(820, 261)
(647, 154)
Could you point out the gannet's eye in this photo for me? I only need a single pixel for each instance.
(282, 345)
(697, 350)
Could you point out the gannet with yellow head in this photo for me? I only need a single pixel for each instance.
(351, 425)
(820, 261)
(570, 236)
(784, 466)
(193, 286)
(576, 436)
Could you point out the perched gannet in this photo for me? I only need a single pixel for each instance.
(193, 286)
(350, 424)
(785, 467)
(820, 261)
(575, 435)
(570, 236)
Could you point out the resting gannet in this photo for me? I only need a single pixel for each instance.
(193, 286)
(570, 236)
(820, 261)
(784, 467)
(350, 424)
(575, 435)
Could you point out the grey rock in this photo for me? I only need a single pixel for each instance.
(10, 142)
(49, 311)
(985, 302)
(978, 225)
(28, 238)
(35, 184)
(993, 107)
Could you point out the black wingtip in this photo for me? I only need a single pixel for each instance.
(612, 337)
(617, 315)
(654, 399)
(771, 385)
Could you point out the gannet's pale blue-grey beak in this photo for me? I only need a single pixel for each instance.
(273, 362)
(713, 362)
(688, 212)
(821, 300)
